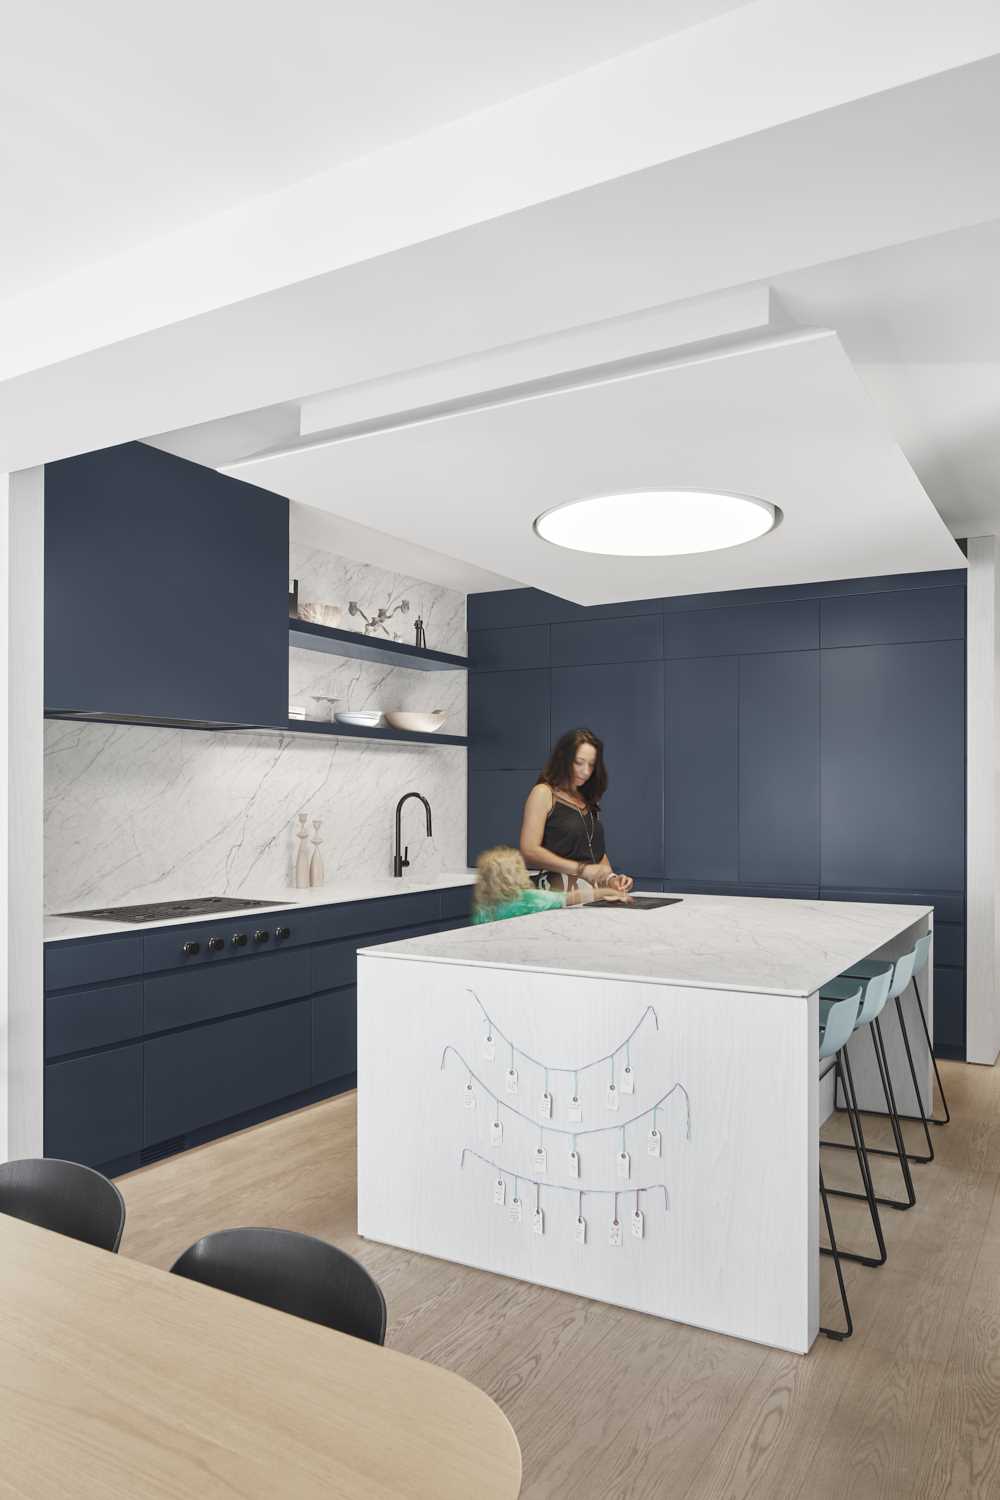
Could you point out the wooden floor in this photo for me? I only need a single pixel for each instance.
(608, 1403)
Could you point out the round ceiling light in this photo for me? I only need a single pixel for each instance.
(657, 523)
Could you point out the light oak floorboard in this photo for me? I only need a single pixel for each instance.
(610, 1405)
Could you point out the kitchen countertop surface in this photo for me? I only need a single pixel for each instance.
(772, 946)
(60, 928)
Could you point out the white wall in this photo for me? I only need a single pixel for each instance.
(137, 813)
(983, 812)
(21, 624)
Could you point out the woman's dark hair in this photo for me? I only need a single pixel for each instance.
(558, 769)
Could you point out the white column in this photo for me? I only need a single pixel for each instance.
(21, 898)
(983, 807)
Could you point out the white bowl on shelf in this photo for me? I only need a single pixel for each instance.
(368, 718)
(416, 723)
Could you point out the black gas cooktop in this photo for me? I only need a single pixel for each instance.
(166, 911)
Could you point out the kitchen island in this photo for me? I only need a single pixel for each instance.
(618, 1103)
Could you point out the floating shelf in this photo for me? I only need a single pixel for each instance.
(355, 732)
(306, 636)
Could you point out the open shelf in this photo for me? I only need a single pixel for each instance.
(354, 732)
(306, 636)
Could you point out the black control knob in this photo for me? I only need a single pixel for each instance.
(190, 949)
(282, 932)
(216, 944)
(239, 939)
(262, 935)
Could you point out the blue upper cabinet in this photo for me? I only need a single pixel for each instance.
(779, 759)
(166, 591)
(702, 768)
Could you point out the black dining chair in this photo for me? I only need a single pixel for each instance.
(295, 1273)
(65, 1197)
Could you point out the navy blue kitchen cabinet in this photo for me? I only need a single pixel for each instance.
(813, 740)
(166, 590)
(623, 704)
(156, 1041)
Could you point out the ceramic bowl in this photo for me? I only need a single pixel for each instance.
(367, 718)
(420, 723)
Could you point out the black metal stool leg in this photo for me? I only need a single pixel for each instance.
(900, 1151)
(854, 1117)
(930, 1048)
(916, 1088)
(836, 1333)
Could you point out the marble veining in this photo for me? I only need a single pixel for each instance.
(140, 813)
(750, 943)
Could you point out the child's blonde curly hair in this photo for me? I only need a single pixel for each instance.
(501, 876)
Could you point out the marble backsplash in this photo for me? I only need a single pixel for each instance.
(141, 813)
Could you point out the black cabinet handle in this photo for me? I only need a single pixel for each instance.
(282, 932)
(190, 949)
(239, 939)
(261, 935)
(216, 944)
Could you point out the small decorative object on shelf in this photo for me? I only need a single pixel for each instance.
(317, 874)
(293, 597)
(324, 707)
(302, 858)
(378, 623)
(321, 614)
(421, 634)
(296, 711)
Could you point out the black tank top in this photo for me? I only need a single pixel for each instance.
(573, 833)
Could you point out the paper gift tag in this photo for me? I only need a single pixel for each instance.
(615, 1232)
(489, 1046)
(654, 1143)
(638, 1224)
(541, 1159)
(624, 1163)
(612, 1096)
(538, 1223)
(496, 1133)
(580, 1231)
(574, 1164)
(575, 1111)
(545, 1108)
(469, 1097)
(515, 1210)
(512, 1080)
(500, 1192)
(628, 1081)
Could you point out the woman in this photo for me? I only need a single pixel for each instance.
(561, 832)
(504, 889)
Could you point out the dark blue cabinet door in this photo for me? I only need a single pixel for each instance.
(199, 1077)
(92, 1107)
(165, 590)
(335, 1034)
(779, 768)
(623, 705)
(496, 806)
(893, 766)
(702, 768)
(508, 719)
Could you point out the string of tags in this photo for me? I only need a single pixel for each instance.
(581, 1228)
(540, 1157)
(616, 1086)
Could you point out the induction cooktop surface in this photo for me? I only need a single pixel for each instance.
(635, 903)
(166, 911)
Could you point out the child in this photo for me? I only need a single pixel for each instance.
(504, 890)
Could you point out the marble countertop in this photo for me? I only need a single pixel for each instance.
(771, 946)
(61, 927)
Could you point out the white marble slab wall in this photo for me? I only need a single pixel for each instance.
(142, 813)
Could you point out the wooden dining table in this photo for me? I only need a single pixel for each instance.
(122, 1382)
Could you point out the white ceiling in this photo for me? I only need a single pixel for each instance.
(120, 122)
(783, 419)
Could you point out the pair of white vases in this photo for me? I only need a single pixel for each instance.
(308, 866)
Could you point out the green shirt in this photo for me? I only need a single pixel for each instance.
(522, 905)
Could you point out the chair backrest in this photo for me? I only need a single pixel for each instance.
(903, 973)
(921, 952)
(65, 1197)
(294, 1273)
(840, 1015)
(877, 990)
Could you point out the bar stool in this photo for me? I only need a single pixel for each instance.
(838, 1016)
(921, 952)
(876, 989)
(848, 993)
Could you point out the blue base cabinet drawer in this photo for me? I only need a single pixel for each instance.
(69, 964)
(92, 1106)
(335, 1034)
(198, 1077)
(81, 1020)
(173, 1000)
